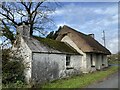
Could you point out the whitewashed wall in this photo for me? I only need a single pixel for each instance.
(75, 63)
(105, 61)
(94, 59)
(71, 43)
(27, 55)
(23, 51)
(48, 67)
(89, 68)
(99, 62)
(88, 62)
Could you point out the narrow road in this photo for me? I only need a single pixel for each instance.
(110, 82)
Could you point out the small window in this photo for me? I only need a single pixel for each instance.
(67, 60)
(102, 60)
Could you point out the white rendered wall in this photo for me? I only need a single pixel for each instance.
(71, 43)
(53, 66)
(24, 52)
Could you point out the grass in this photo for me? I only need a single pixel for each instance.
(82, 80)
(114, 59)
(114, 62)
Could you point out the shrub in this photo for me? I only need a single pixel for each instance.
(12, 70)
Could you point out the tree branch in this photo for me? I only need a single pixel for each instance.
(9, 18)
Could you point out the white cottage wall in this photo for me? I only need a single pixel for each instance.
(76, 62)
(88, 62)
(93, 68)
(24, 52)
(27, 56)
(105, 61)
(88, 59)
(94, 60)
(48, 67)
(71, 43)
(99, 62)
(75, 65)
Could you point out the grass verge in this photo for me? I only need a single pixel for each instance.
(82, 80)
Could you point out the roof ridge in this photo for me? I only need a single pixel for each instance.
(74, 29)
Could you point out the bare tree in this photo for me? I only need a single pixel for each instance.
(36, 14)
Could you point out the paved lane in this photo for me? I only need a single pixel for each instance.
(110, 82)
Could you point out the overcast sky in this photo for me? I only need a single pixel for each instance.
(91, 17)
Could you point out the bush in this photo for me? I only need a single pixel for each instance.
(12, 70)
(18, 84)
(114, 59)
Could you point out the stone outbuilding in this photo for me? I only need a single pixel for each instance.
(94, 55)
(46, 59)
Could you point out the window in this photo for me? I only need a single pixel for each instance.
(91, 59)
(67, 60)
(102, 60)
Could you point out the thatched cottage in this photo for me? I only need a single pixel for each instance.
(94, 55)
(71, 53)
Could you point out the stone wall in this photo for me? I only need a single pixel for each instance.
(91, 68)
(27, 56)
(22, 50)
(48, 67)
(105, 61)
(99, 61)
(71, 43)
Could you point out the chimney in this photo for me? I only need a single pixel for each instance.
(92, 35)
(23, 30)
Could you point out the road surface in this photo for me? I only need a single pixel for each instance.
(110, 82)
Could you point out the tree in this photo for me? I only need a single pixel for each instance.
(36, 14)
(50, 35)
(53, 35)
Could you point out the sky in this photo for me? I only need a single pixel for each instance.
(91, 17)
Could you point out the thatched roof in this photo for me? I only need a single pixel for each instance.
(84, 42)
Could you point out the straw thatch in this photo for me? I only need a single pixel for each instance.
(84, 42)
